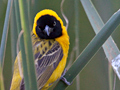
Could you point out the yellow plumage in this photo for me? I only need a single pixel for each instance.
(50, 51)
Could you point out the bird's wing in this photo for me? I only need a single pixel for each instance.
(48, 54)
(47, 63)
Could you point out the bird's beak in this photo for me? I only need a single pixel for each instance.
(48, 30)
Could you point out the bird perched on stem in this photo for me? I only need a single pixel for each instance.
(50, 43)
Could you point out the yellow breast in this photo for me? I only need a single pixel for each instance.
(64, 42)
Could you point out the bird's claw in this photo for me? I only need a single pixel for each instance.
(64, 79)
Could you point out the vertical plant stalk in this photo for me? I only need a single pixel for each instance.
(90, 50)
(29, 13)
(1, 79)
(22, 48)
(18, 55)
(110, 77)
(77, 39)
(28, 45)
(4, 41)
(5, 32)
(109, 47)
(13, 33)
(114, 81)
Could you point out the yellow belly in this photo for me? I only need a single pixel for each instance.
(56, 74)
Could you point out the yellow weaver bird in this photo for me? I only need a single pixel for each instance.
(50, 46)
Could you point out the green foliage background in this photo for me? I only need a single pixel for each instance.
(95, 75)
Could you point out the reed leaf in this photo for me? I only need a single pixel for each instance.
(90, 50)
(4, 41)
(5, 32)
(13, 33)
(1, 79)
(22, 48)
(28, 44)
(109, 47)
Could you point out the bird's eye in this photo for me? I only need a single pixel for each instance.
(54, 23)
(39, 27)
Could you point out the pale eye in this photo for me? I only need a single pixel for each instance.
(54, 23)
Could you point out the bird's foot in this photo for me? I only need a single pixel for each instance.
(64, 79)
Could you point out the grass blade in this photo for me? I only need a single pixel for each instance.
(5, 32)
(13, 33)
(90, 50)
(28, 45)
(4, 40)
(109, 47)
(22, 48)
(1, 79)
(97, 25)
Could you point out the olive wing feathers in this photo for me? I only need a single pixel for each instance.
(48, 54)
(47, 63)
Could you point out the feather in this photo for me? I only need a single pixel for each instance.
(48, 54)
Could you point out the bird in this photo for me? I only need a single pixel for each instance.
(50, 43)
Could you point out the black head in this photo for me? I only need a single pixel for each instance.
(48, 27)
